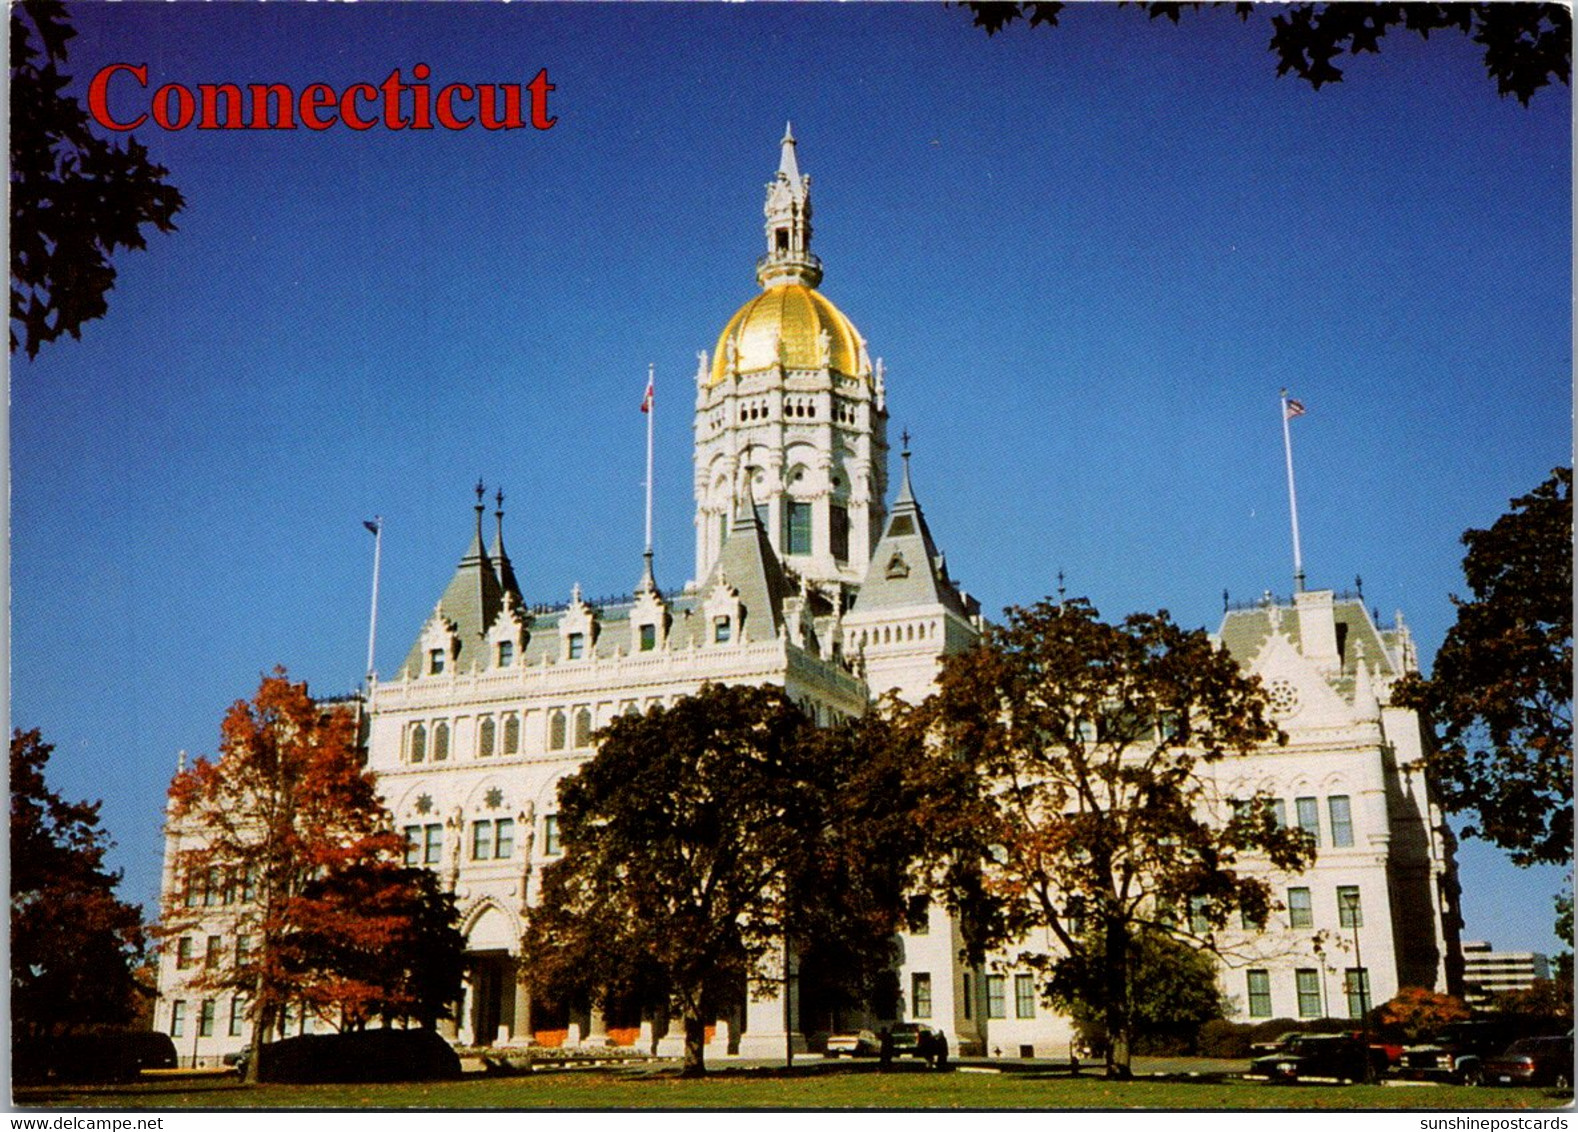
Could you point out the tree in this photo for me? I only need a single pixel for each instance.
(75, 197)
(74, 945)
(705, 839)
(1526, 45)
(1175, 992)
(1549, 1001)
(286, 853)
(1417, 1013)
(1091, 739)
(1501, 692)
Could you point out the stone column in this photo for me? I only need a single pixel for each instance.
(520, 1030)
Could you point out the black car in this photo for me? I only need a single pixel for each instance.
(1458, 1052)
(1532, 1061)
(914, 1040)
(1320, 1057)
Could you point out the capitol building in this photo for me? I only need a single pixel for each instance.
(816, 571)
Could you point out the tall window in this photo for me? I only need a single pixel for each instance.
(1279, 813)
(1349, 914)
(435, 661)
(721, 630)
(413, 845)
(418, 743)
(433, 844)
(243, 950)
(506, 653)
(205, 1019)
(1259, 994)
(481, 840)
(558, 732)
(1199, 917)
(648, 637)
(1307, 979)
(838, 532)
(1356, 985)
(575, 646)
(996, 994)
(249, 884)
(238, 1015)
(797, 520)
(583, 728)
(183, 952)
(968, 997)
(512, 734)
(1308, 810)
(213, 885)
(485, 735)
(550, 836)
(177, 1018)
(1301, 912)
(212, 953)
(1341, 820)
(920, 994)
(504, 838)
(1024, 996)
(440, 742)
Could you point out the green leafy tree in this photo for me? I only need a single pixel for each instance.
(1091, 739)
(1175, 992)
(75, 197)
(75, 947)
(1526, 45)
(286, 852)
(706, 838)
(1501, 692)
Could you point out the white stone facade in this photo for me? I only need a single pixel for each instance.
(807, 579)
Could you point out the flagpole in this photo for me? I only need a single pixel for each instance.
(651, 412)
(1293, 498)
(377, 527)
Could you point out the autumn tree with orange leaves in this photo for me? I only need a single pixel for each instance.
(286, 856)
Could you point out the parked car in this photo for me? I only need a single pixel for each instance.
(1532, 1061)
(1276, 1045)
(856, 1043)
(911, 1039)
(109, 1055)
(1327, 1057)
(1458, 1052)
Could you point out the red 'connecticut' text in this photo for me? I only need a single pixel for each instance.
(393, 104)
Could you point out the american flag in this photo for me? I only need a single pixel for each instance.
(646, 400)
(1295, 408)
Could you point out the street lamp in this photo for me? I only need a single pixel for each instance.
(1361, 982)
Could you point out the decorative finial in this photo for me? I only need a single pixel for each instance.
(1224, 601)
(481, 491)
(498, 498)
(1358, 585)
(1062, 590)
(905, 437)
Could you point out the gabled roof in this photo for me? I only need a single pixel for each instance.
(471, 602)
(906, 569)
(747, 563)
(1244, 632)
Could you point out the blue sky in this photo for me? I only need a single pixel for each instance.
(1090, 257)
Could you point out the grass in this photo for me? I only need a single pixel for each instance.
(777, 1089)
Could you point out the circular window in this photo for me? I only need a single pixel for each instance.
(1284, 697)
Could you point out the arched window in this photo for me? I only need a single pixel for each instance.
(418, 743)
(556, 732)
(512, 735)
(485, 738)
(583, 728)
(440, 742)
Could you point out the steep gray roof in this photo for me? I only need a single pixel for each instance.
(1244, 633)
(471, 601)
(905, 568)
(748, 564)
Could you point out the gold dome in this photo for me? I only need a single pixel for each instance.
(791, 317)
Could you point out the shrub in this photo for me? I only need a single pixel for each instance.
(363, 1055)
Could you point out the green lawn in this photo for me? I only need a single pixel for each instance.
(738, 1089)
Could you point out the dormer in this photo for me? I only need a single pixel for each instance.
(725, 615)
(649, 622)
(577, 629)
(439, 646)
(509, 635)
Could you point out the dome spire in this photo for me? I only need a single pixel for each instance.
(788, 210)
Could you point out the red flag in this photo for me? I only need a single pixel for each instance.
(1295, 408)
(646, 400)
